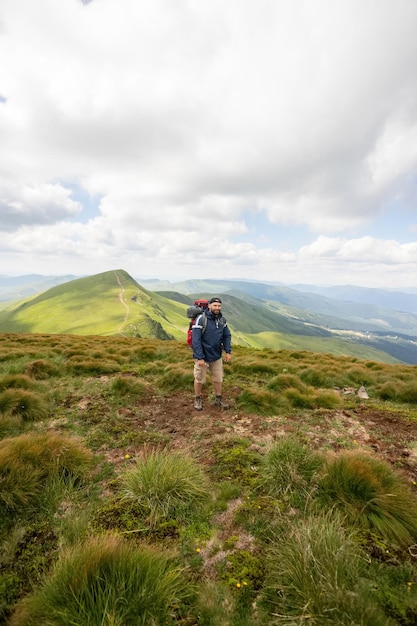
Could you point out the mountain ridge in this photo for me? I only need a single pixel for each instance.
(113, 302)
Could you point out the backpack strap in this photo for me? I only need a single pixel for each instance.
(201, 319)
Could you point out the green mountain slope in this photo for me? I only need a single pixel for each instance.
(105, 304)
(114, 303)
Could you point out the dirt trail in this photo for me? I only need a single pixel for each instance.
(123, 302)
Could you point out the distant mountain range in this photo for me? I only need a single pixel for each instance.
(383, 298)
(18, 287)
(261, 315)
(343, 314)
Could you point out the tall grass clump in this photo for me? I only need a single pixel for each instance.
(389, 390)
(360, 375)
(105, 581)
(146, 352)
(28, 406)
(254, 367)
(311, 398)
(167, 485)
(81, 367)
(286, 381)
(260, 401)
(327, 399)
(176, 377)
(287, 471)
(28, 462)
(371, 495)
(315, 576)
(408, 393)
(301, 399)
(17, 381)
(41, 369)
(216, 606)
(316, 376)
(127, 387)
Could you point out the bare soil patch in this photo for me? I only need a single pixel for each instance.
(390, 435)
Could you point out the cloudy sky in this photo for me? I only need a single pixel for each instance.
(272, 140)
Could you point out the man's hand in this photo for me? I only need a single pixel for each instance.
(201, 362)
(228, 357)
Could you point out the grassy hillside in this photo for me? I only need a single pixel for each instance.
(113, 303)
(104, 304)
(120, 504)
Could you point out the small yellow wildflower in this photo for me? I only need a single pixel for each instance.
(127, 456)
(198, 550)
(238, 585)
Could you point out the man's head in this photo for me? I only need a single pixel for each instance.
(215, 305)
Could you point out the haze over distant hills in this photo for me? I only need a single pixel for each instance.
(260, 314)
(18, 287)
(385, 298)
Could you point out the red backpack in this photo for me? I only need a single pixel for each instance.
(193, 312)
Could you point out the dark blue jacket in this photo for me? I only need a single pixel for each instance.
(208, 345)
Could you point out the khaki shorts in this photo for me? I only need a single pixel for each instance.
(216, 371)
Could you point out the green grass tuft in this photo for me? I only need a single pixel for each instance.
(80, 366)
(18, 381)
(28, 461)
(41, 369)
(166, 486)
(286, 381)
(370, 495)
(107, 581)
(176, 377)
(259, 401)
(27, 405)
(287, 471)
(314, 576)
(128, 387)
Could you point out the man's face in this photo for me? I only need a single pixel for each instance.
(215, 308)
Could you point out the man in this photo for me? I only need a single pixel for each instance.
(210, 337)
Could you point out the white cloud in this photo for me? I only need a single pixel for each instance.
(362, 251)
(185, 118)
(395, 155)
(41, 203)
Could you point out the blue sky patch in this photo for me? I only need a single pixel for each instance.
(90, 204)
(266, 234)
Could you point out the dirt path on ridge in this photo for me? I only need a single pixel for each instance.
(123, 302)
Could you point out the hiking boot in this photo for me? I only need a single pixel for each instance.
(198, 405)
(219, 402)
